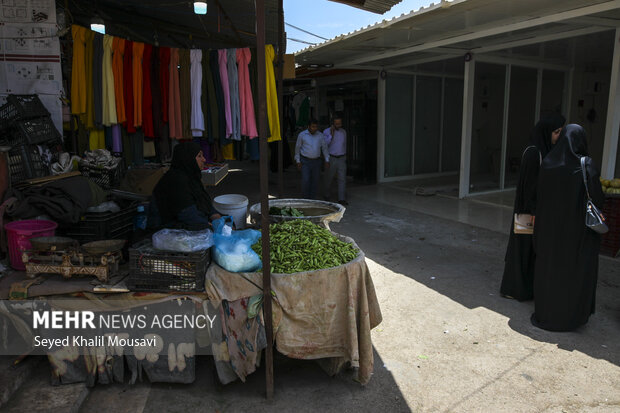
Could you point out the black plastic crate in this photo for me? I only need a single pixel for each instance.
(105, 178)
(33, 131)
(96, 226)
(21, 107)
(25, 162)
(164, 271)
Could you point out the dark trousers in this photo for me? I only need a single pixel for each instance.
(310, 175)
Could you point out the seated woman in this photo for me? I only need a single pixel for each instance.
(179, 199)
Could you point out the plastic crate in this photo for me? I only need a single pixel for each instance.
(21, 107)
(25, 162)
(105, 178)
(164, 271)
(33, 131)
(96, 226)
(610, 242)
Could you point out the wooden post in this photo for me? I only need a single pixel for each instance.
(280, 74)
(264, 192)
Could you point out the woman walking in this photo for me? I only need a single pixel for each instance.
(566, 250)
(518, 278)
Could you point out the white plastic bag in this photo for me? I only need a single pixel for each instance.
(181, 240)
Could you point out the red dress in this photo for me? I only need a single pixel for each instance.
(147, 98)
(128, 83)
(164, 79)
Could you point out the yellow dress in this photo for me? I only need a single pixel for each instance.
(109, 98)
(228, 152)
(96, 139)
(118, 47)
(272, 96)
(78, 71)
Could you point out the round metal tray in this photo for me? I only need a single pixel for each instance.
(52, 243)
(104, 246)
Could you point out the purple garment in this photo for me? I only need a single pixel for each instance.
(206, 149)
(223, 61)
(337, 144)
(117, 141)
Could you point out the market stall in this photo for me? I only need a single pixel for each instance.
(132, 94)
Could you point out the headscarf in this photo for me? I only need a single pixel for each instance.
(541, 135)
(184, 159)
(571, 146)
(181, 186)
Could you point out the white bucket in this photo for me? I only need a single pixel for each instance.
(234, 205)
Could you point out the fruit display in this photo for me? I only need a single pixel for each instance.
(611, 186)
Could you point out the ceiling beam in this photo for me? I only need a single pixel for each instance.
(540, 39)
(423, 60)
(596, 21)
(487, 30)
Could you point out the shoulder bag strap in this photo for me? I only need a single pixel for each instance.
(585, 179)
(532, 146)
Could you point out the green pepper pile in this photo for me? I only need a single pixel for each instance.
(299, 245)
(285, 211)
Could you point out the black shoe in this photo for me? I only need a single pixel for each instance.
(343, 202)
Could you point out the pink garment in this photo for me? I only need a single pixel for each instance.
(248, 121)
(174, 97)
(223, 59)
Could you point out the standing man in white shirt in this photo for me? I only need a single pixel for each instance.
(336, 140)
(308, 150)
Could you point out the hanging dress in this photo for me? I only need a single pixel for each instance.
(197, 119)
(223, 66)
(248, 120)
(174, 98)
(118, 48)
(138, 51)
(272, 95)
(164, 80)
(128, 86)
(98, 78)
(147, 96)
(219, 96)
(78, 70)
(209, 101)
(89, 119)
(233, 83)
(109, 99)
(185, 83)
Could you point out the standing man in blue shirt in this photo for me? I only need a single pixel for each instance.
(336, 140)
(310, 145)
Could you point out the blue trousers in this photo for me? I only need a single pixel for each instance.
(310, 175)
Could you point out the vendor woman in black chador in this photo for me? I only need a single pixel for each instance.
(180, 199)
(566, 250)
(519, 262)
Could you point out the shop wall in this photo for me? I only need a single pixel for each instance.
(398, 125)
(589, 106)
(487, 123)
(30, 53)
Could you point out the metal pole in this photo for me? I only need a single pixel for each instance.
(264, 192)
(280, 74)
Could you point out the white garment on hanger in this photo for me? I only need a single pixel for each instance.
(198, 120)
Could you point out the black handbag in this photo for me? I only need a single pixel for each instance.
(595, 220)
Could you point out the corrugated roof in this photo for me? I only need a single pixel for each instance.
(375, 6)
(450, 29)
(382, 24)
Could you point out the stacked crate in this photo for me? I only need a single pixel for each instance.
(27, 129)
